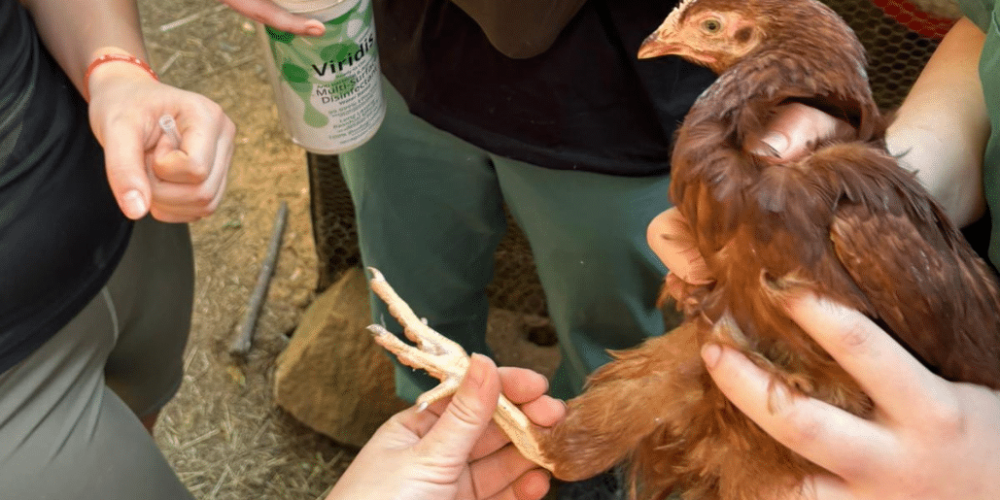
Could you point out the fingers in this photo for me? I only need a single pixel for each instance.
(175, 166)
(270, 14)
(126, 170)
(417, 422)
(671, 239)
(527, 389)
(533, 485)
(826, 487)
(187, 183)
(147, 173)
(794, 132)
(545, 411)
(845, 445)
(901, 387)
(206, 137)
(820, 487)
(497, 471)
(467, 416)
(190, 162)
(522, 385)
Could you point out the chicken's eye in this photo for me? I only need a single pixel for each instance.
(711, 26)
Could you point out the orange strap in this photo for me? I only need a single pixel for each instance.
(109, 58)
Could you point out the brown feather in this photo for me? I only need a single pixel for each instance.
(846, 222)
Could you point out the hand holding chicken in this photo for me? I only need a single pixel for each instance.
(928, 438)
(841, 220)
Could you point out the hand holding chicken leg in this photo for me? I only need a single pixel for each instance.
(447, 361)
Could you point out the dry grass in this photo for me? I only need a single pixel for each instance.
(223, 433)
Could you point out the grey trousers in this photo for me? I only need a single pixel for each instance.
(69, 413)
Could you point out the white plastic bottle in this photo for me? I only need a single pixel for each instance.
(328, 89)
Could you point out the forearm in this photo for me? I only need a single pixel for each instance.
(942, 127)
(78, 31)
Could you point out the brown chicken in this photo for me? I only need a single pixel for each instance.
(845, 222)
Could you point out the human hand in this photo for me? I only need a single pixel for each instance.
(670, 237)
(793, 131)
(274, 16)
(451, 450)
(147, 172)
(929, 439)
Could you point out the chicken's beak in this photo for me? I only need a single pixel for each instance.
(656, 45)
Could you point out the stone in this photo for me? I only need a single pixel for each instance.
(335, 379)
(515, 339)
(332, 376)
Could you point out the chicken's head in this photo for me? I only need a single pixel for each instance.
(711, 33)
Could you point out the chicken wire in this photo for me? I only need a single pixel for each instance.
(334, 230)
(898, 35)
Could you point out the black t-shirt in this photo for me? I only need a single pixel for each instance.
(587, 103)
(61, 232)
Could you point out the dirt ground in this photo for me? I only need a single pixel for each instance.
(222, 433)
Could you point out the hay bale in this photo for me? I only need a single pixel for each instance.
(332, 376)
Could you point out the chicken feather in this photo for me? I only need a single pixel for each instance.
(846, 222)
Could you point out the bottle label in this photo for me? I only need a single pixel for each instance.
(329, 88)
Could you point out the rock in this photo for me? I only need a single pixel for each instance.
(510, 335)
(335, 379)
(332, 376)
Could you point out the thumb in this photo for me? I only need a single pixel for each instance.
(795, 130)
(467, 415)
(776, 144)
(124, 160)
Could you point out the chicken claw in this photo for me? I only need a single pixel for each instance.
(447, 361)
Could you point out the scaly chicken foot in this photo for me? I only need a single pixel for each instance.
(447, 361)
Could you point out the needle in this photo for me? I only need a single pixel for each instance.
(169, 127)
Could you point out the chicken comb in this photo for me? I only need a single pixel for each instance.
(673, 20)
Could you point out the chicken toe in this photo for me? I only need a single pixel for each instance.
(447, 361)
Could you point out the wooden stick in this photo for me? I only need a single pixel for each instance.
(184, 20)
(241, 344)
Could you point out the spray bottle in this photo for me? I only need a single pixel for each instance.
(328, 89)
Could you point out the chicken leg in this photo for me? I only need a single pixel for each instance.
(446, 360)
(626, 400)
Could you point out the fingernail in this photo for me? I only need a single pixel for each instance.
(135, 206)
(711, 353)
(477, 369)
(314, 28)
(776, 142)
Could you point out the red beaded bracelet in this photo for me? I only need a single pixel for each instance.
(113, 57)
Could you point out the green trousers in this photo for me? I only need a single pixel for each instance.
(430, 215)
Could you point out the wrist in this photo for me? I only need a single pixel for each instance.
(113, 64)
